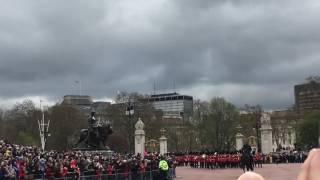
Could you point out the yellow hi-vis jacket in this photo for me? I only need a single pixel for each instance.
(163, 165)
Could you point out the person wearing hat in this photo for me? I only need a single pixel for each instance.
(163, 167)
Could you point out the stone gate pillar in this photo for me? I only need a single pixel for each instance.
(163, 142)
(139, 138)
(239, 141)
(266, 133)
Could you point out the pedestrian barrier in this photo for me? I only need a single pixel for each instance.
(92, 175)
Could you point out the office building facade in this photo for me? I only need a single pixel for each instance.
(173, 105)
(307, 96)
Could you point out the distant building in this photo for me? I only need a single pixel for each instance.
(307, 96)
(85, 104)
(100, 106)
(173, 105)
(82, 103)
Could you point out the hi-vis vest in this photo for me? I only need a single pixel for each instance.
(163, 165)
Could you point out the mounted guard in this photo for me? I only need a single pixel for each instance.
(95, 137)
(246, 161)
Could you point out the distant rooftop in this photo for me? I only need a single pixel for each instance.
(315, 79)
(166, 94)
(76, 96)
(77, 100)
(169, 96)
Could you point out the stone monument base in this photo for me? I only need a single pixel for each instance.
(91, 149)
(83, 146)
(107, 153)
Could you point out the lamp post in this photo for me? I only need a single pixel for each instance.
(43, 129)
(130, 113)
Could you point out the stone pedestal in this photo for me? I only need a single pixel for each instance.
(163, 142)
(266, 134)
(139, 138)
(163, 145)
(266, 140)
(239, 141)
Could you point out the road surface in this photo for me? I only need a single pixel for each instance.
(269, 172)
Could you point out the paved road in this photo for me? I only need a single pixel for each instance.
(269, 172)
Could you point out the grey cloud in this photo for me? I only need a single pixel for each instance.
(109, 46)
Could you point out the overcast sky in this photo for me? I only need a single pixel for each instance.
(248, 51)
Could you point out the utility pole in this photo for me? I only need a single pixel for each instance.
(130, 113)
(80, 86)
(43, 129)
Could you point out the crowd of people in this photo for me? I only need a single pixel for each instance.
(26, 162)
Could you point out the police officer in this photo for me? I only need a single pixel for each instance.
(163, 167)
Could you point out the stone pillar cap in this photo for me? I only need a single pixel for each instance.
(239, 135)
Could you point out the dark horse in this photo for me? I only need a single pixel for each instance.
(96, 138)
(246, 161)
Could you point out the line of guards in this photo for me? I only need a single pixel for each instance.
(213, 161)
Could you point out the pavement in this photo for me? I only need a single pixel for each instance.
(268, 171)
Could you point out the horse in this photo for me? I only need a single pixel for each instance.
(97, 136)
(246, 162)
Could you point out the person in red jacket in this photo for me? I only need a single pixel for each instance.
(110, 169)
(142, 169)
(75, 168)
(63, 171)
(22, 169)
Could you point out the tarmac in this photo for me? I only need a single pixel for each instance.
(268, 171)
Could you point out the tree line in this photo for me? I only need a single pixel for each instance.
(212, 128)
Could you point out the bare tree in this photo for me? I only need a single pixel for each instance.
(21, 123)
(255, 113)
(2, 123)
(217, 125)
(123, 125)
(66, 122)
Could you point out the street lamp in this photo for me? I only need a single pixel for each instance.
(43, 129)
(129, 110)
(162, 131)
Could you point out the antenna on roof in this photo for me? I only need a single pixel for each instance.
(80, 86)
(174, 86)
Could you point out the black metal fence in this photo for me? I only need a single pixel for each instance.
(148, 175)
